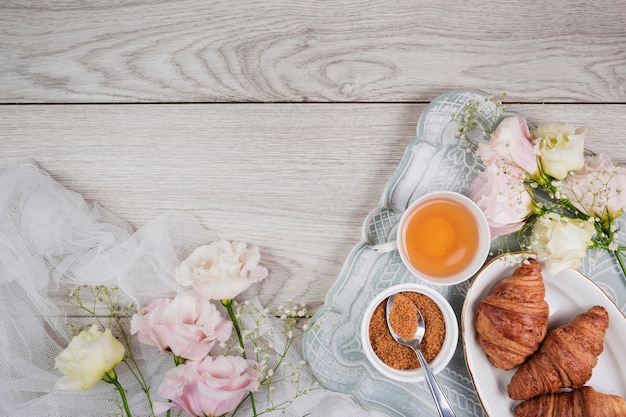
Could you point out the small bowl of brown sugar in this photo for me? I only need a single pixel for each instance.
(400, 362)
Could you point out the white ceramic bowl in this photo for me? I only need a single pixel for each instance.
(449, 344)
(484, 238)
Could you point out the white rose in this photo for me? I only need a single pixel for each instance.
(221, 270)
(87, 359)
(599, 188)
(561, 242)
(560, 147)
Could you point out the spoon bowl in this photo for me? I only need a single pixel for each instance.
(414, 341)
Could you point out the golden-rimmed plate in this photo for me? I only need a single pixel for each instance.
(568, 294)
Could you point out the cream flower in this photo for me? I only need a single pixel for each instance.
(561, 242)
(510, 148)
(560, 147)
(221, 270)
(598, 189)
(87, 359)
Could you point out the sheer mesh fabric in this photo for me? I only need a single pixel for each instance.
(51, 240)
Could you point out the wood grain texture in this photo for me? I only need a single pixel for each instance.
(296, 179)
(330, 51)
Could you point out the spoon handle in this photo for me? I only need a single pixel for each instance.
(443, 406)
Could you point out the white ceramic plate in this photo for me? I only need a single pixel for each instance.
(568, 294)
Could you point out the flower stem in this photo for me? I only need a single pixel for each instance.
(136, 370)
(229, 308)
(618, 256)
(111, 378)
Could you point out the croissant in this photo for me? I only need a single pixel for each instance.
(583, 402)
(512, 320)
(565, 359)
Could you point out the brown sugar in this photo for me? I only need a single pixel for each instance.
(403, 317)
(402, 357)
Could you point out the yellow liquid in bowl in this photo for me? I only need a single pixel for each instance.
(441, 238)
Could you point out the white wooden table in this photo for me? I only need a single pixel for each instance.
(279, 122)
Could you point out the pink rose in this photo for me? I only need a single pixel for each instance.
(598, 188)
(503, 197)
(511, 148)
(188, 326)
(211, 387)
(221, 270)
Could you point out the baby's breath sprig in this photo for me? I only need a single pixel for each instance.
(269, 344)
(479, 116)
(104, 305)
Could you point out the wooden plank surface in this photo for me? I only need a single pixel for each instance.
(332, 51)
(295, 177)
(279, 122)
(298, 180)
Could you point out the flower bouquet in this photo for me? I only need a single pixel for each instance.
(213, 373)
(540, 190)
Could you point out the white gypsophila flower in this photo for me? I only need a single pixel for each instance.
(561, 148)
(561, 242)
(221, 270)
(508, 259)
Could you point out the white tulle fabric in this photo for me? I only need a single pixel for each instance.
(51, 239)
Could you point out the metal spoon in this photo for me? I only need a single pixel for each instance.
(443, 406)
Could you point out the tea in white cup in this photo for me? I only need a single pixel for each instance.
(443, 238)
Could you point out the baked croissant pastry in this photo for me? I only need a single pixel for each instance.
(582, 402)
(512, 320)
(565, 359)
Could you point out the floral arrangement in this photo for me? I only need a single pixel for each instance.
(540, 189)
(213, 372)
